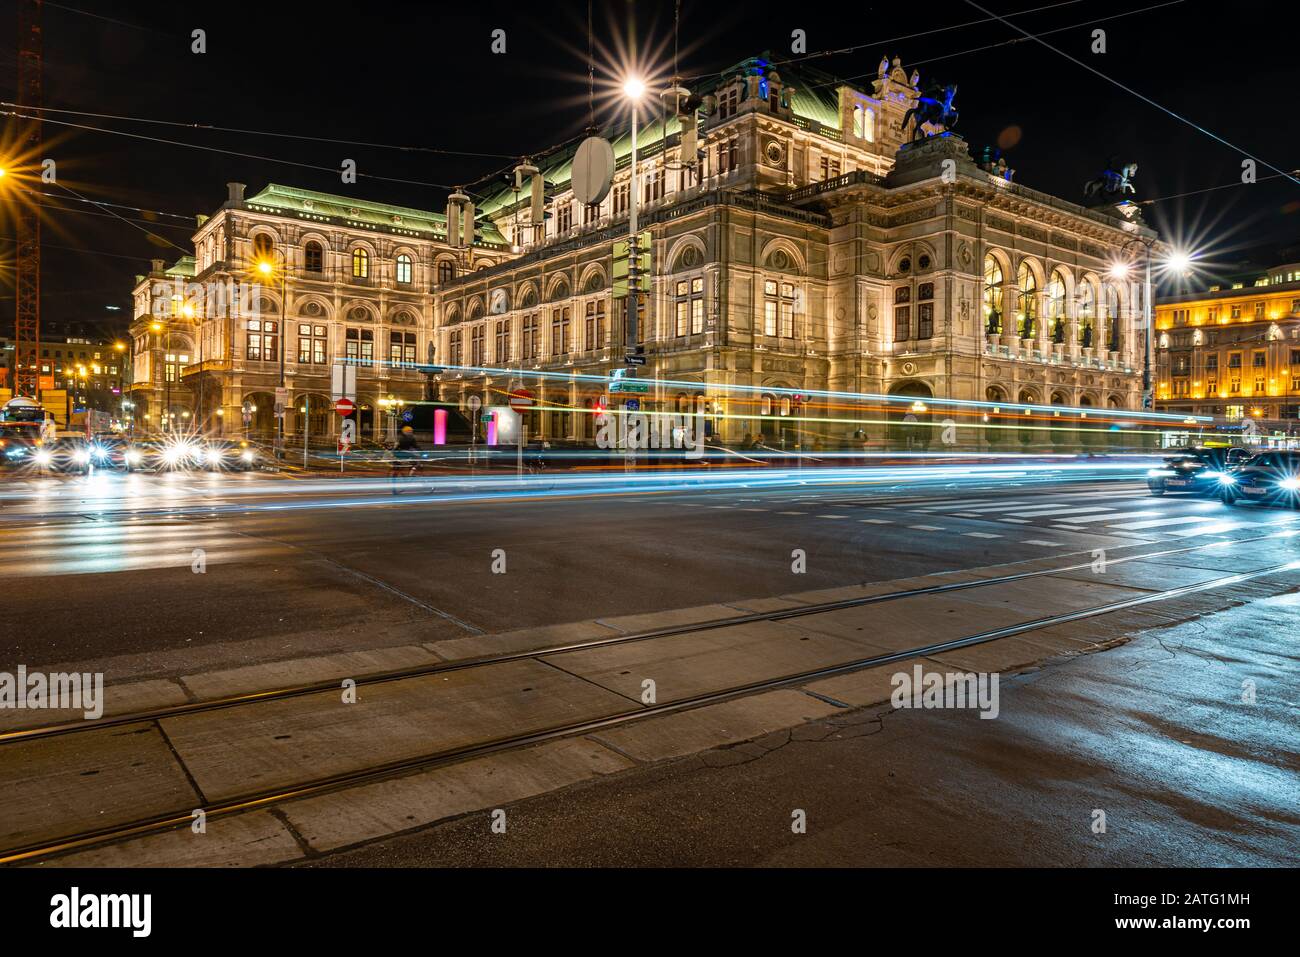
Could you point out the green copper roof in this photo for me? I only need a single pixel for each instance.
(816, 97)
(308, 203)
(182, 267)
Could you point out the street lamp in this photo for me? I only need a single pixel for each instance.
(1177, 261)
(634, 90)
(266, 266)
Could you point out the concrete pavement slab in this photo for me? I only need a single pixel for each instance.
(672, 618)
(713, 660)
(387, 807)
(524, 639)
(1152, 575)
(118, 700)
(868, 686)
(250, 839)
(298, 671)
(273, 744)
(58, 786)
(699, 729)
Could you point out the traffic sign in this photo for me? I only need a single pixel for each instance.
(629, 385)
(634, 360)
(633, 405)
(521, 399)
(281, 400)
(347, 434)
(345, 407)
(474, 402)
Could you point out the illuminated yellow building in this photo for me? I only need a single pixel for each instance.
(1233, 350)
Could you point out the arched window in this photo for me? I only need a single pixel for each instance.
(263, 247)
(1056, 306)
(992, 296)
(1111, 298)
(313, 256)
(1027, 316)
(446, 271)
(404, 268)
(1087, 312)
(360, 263)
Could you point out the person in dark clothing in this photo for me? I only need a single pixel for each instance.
(406, 449)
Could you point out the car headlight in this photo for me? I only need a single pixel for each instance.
(1290, 484)
(81, 456)
(1213, 474)
(1226, 479)
(99, 452)
(214, 456)
(133, 457)
(43, 457)
(1158, 473)
(173, 454)
(247, 455)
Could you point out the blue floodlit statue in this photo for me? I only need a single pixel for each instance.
(1114, 182)
(935, 109)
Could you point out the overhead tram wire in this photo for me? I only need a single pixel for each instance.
(1145, 99)
(290, 136)
(188, 217)
(922, 33)
(1004, 43)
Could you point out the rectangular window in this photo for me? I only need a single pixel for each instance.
(530, 341)
(454, 348)
(689, 306)
(263, 340)
(401, 349)
(311, 343)
(621, 192)
(359, 345)
(778, 308)
(590, 214)
(830, 167)
(564, 217)
(476, 346)
(902, 323)
(595, 317)
(502, 353)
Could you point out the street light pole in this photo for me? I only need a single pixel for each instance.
(634, 89)
(1148, 387)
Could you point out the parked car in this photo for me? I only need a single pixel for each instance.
(1196, 470)
(1269, 478)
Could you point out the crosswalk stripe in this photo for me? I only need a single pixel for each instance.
(1015, 521)
(1162, 522)
(980, 535)
(1111, 516)
(1039, 541)
(832, 516)
(876, 521)
(966, 506)
(792, 513)
(1045, 512)
(1213, 528)
(926, 528)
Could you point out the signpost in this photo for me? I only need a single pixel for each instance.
(634, 360)
(347, 437)
(345, 407)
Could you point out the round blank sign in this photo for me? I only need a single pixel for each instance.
(593, 170)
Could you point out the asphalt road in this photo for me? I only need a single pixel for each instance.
(251, 568)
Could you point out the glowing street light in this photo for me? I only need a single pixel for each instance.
(634, 88)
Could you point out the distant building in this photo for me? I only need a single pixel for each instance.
(1233, 350)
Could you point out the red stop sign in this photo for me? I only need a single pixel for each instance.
(345, 407)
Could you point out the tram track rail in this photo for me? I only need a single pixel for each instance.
(89, 838)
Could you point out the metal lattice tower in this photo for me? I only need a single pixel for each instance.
(27, 292)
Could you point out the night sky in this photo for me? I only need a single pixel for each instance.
(422, 75)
